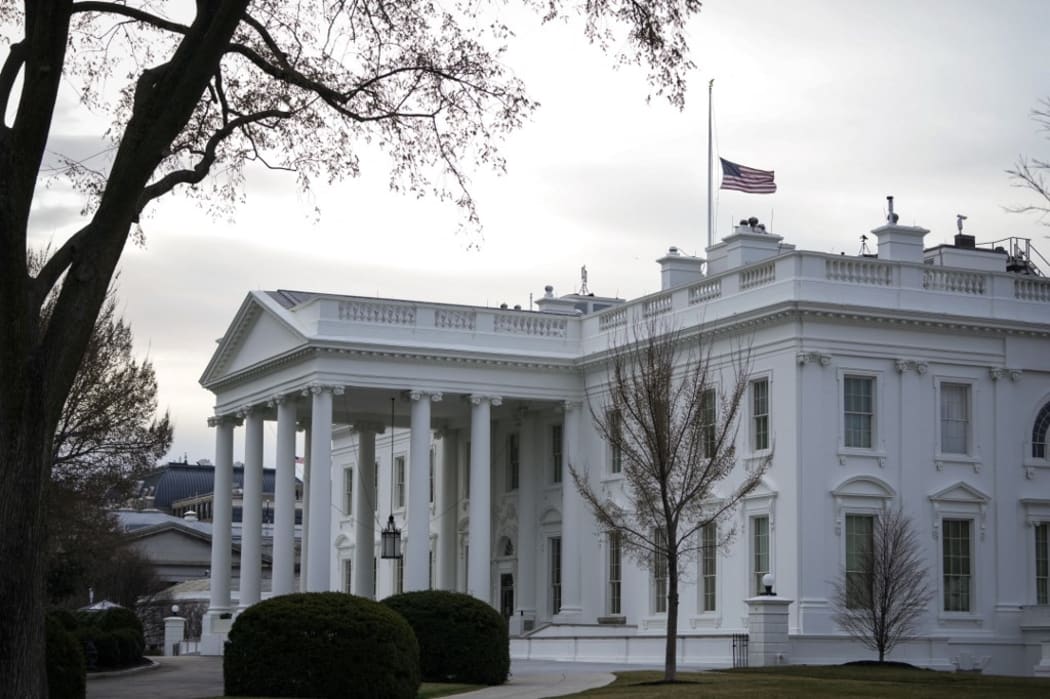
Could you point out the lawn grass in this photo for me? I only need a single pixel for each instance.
(428, 690)
(821, 681)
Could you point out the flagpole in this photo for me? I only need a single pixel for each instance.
(710, 162)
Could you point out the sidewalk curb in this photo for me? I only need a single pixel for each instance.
(153, 665)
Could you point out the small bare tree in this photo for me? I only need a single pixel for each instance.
(672, 427)
(1031, 173)
(881, 595)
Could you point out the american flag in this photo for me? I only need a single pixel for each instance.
(746, 179)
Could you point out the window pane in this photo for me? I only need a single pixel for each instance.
(614, 572)
(708, 417)
(955, 418)
(858, 404)
(760, 414)
(709, 561)
(1042, 563)
(615, 422)
(556, 453)
(660, 572)
(956, 554)
(760, 551)
(859, 532)
(555, 568)
(513, 464)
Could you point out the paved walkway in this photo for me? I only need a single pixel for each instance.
(196, 677)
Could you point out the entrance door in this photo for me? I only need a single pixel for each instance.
(506, 595)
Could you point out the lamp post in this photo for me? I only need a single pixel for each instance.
(767, 583)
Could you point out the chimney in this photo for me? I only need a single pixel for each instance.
(749, 243)
(899, 243)
(550, 304)
(677, 269)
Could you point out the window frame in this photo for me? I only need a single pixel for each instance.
(557, 436)
(399, 481)
(513, 461)
(659, 575)
(708, 587)
(614, 573)
(969, 576)
(1042, 573)
(614, 419)
(708, 418)
(846, 538)
(756, 573)
(755, 418)
(846, 376)
(554, 577)
(970, 452)
(348, 491)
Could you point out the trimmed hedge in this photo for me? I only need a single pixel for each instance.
(461, 638)
(66, 675)
(118, 618)
(321, 644)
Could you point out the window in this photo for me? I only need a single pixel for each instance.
(399, 574)
(708, 562)
(708, 424)
(859, 540)
(348, 491)
(614, 419)
(955, 418)
(1042, 563)
(759, 552)
(1041, 433)
(660, 572)
(555, 453)
(399, 482)
(858, 411)
(760, 414)
(431, 475)
(555, 568)
(348, 571)
(615, 572)
(513, 464)
(957, 565)
(375, 487)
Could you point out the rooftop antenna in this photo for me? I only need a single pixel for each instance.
(864, 249)
(959, 218)
(583, 281)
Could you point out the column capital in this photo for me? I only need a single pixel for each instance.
(318, 388)
(415, 394)
(247, 410)
(477, 398)
(217, 420)
(281, 399)
(368, 426)
(568, 405)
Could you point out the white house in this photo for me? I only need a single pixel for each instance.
(917, 378)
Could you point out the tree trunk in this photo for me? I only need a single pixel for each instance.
(25, 447)
(671, 649)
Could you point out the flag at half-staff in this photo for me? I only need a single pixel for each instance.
(746, 179)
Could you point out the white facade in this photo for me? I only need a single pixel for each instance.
(917, 379)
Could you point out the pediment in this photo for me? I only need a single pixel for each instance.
(864, 487)
(960, 492)
(259, 331)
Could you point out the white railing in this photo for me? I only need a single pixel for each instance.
(758, 276)
(455, 319)
(1032, 289)
(705, 291)
(656, 305)
(531, 324)
(612, 319)
(954, 281)
(377, 312)
(854, 271)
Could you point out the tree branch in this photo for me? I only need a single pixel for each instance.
(16, 58)
(112, 8)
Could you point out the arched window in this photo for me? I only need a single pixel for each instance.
(1041, 433)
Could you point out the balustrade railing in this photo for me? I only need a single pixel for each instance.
(1032, 289)
(954, 281)
(858, 271)
(758, 276)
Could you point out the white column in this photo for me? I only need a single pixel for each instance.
(364, 508)
(251, 509)
(418, 539)
(479, 565)
(448, 497)
(305, 535)
(319, 544)
(221, 515)
(571, 521)
(530, 479)
(284, 499)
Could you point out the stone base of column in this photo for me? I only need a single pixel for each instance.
(174, 634)
(767, 630)
(215, 627)
(569, 615)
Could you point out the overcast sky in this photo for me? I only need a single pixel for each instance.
(847, 100)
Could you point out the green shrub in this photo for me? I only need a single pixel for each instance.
(66, 618)
(130, 646)
(107, 648)
(321, 644)
(66, 676)
(118, 618)
(461, 638)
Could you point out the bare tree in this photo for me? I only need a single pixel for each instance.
(1031, 173)
(883, 591)
(195, 93)
(672, 424)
